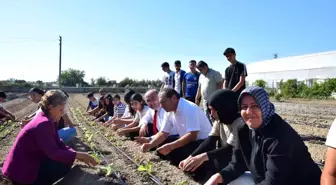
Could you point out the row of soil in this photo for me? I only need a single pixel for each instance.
(165, 172)
(20, 108)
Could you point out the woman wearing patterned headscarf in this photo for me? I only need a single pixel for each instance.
(268, 147)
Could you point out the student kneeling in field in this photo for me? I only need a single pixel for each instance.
(127, 117)
(268, 147)
(5, 115)
(99, 110)
(93, 102)
(151, 123)
(140, 106)
(207, 158)
(190, 122)
(108, 109)
(38, 155)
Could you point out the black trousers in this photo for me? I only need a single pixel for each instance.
(132, 135)
(51, 171)
(179, 154)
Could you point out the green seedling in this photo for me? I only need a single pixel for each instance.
(108, 170)
(147, 167)
(118, 144)
(112, 139)
(91, 123)
(95, 156)
(185, 182)
(107, 134)
(90, 138)
(9, 121)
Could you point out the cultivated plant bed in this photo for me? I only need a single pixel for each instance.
(148, 163)
(113, 166)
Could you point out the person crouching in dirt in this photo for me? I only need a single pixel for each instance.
(66, 129)
(100, 109)
(35, 95)
(132, 129)
(5, 115)
(108, 109)
(207, 159)
(38, 155)
(128, 116)
(93, 102)
(191, 123)
(268, 147)
(151, 123)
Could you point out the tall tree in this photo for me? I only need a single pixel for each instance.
(101, 81)
(71, 77)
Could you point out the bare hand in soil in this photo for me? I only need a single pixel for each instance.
(23, 123)
(143, 130)
(165, 149)
(121, 132)
(115, 127)
(192, 163)
(86, 158)
(141, 140)
(146, 147)
(214, 180)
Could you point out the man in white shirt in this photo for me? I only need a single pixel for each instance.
(329, 172)
(168, 77)
(178, 77)
(151, 123)
(191, 124)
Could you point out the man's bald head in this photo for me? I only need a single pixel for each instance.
(151, 92)
(152, 99)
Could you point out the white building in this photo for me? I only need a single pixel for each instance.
(306, 68)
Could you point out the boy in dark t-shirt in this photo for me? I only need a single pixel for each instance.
(234, 74)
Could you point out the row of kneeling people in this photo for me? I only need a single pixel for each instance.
(246, 143)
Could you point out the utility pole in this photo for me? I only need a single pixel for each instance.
(60, 62)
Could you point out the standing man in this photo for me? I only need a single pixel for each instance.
(235, 74)
(168, 77)
(179, 75)
(190, 82)
(209, 81)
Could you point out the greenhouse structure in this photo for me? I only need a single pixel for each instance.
(306, 68)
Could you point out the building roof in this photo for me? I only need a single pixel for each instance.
(303, 62)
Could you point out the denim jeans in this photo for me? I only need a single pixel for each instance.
(67, 133)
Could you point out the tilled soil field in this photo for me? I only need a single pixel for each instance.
(311, 119)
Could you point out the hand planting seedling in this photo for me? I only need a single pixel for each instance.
(95, 155)
(146, 168)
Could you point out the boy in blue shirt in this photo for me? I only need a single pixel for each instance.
(190, 82)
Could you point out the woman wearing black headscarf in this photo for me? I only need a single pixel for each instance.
(223, 106)
(268, 147)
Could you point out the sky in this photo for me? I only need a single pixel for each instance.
(131, 38)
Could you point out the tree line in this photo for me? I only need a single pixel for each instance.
(297, 89)
(72, 77)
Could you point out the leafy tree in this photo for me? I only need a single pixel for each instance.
(260, 83)
(101, 81)
(71, 77)
(93, 82)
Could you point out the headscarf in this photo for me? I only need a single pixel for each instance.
(262, 99)
(224, 101)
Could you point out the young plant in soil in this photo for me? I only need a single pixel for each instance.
(107, 170)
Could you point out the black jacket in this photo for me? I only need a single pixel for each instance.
(275, 155)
